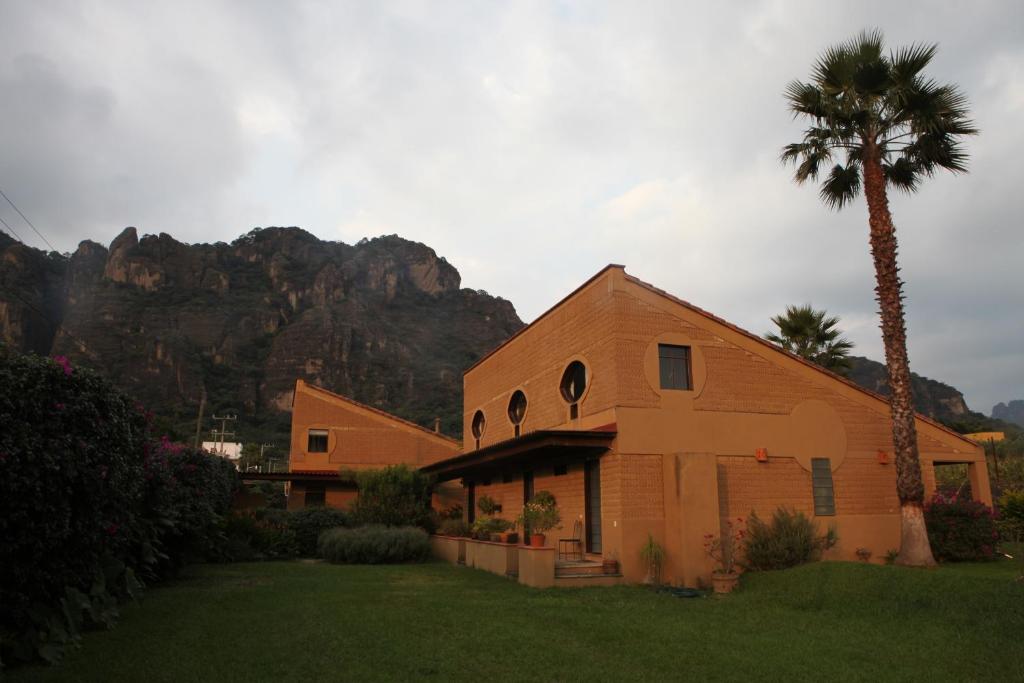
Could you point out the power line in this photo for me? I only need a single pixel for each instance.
(11, 230)
(25, 218)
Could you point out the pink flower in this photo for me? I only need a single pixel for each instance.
(64, 363)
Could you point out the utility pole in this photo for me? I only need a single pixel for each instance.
(995, 458)
(262, 462)
(223, 429)
(199, 420)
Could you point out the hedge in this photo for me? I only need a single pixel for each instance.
(91, 506)
(374, 544)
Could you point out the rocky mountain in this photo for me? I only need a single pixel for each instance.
(384, 321)
(1010, 412)
(932, 398)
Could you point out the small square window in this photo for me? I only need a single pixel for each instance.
(674, 367)
(317, 441)
(822, 488)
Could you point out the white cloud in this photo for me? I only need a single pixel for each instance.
(530, 143)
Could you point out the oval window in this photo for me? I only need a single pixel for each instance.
(479, 424)
(517, 407)
(574, 381)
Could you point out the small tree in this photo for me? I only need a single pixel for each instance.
(394, 496)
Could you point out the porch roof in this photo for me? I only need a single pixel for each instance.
(328, 476)
(549, 446)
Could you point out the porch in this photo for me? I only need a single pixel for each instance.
(534, 566)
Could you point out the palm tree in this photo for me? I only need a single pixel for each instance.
(883, 124)
(812, 335)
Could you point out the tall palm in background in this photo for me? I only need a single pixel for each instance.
(876, 121)
(812, 335)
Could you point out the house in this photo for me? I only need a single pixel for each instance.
(333, 437)
(646, 415)
(229, 450)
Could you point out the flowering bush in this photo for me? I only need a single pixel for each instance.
(540, 514)
(960, 529)
(724, 548)
(90, 505)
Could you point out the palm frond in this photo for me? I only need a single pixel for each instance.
(908, 62)
(841, 186)
(903, 175)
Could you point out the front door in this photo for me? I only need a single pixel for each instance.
(592, 503)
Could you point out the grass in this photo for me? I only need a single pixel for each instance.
(301, 621)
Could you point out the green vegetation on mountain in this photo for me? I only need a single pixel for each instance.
(384, 321)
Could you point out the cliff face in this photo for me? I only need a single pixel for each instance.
(383, 321)
(1010, 412)
(932, 398)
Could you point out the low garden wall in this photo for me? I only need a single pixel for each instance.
(532, 566)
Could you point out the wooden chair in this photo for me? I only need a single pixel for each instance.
(572, 548)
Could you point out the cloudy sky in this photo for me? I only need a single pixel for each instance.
(530, 143)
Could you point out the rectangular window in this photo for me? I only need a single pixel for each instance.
(821, 480)
(317, 441)
(674, 366)
(316, 495)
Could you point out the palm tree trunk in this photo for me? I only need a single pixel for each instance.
(914, 548)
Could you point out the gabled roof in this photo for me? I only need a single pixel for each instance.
(543, 315)
(721, 321)
(779, 350)
(375, 412)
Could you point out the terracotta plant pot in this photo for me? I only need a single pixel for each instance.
(537, 540)
(724, 583)
(508, 537)
(610, 566)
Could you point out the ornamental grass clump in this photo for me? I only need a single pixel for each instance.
(374, 544)
(788, 540)
(960, 529)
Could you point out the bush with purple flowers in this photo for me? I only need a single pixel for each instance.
(91, 505)
(960, 529)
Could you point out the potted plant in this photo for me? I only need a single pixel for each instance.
(540, 515)
(724, 549)
(653, 556)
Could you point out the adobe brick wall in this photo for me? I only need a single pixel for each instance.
(534, 362)
(747, 395)
(358, 438)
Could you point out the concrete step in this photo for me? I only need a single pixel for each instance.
(575, 568)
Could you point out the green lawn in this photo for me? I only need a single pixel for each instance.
(308, 622)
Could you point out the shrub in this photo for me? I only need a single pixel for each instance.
(960, 529)
(258, 535)
(374, 544)
(1011, 516)
(540, 514)
(485, 526)
(89, 503)
(454, 527)
(394, 496)
(789, 539)
(488, 506)
(307, 525)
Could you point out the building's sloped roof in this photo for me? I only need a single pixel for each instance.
(378, 412)
(735, 328)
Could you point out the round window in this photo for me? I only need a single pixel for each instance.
(517, 407)
(574, 381)
(479, 424)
